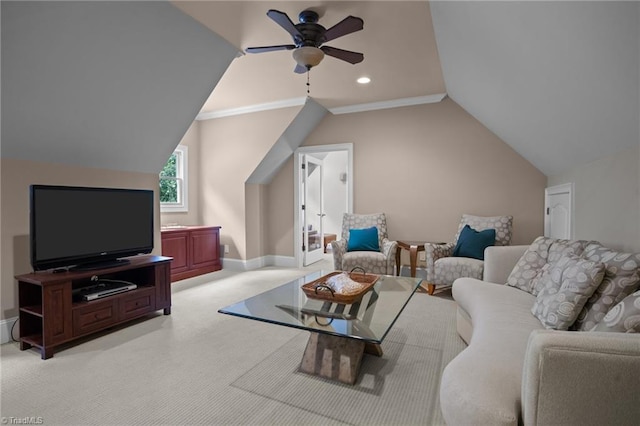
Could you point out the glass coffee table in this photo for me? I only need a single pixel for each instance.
(340, 333)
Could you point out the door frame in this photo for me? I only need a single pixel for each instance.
(315, 255)
(554, 190)
(297, 157)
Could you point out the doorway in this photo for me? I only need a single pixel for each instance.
(558, 209)
(323, 192)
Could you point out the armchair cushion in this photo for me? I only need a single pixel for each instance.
(365, 239)
(471, 243)
(372, 262)
(448, 269)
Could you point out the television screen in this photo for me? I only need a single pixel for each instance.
(77, 226)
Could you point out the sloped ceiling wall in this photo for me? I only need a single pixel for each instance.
(558, 81)
(305, 122)
(111, 85)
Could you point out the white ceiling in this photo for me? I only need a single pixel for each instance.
(557, 81)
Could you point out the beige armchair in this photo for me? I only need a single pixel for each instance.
(443, 268)
(375, 262)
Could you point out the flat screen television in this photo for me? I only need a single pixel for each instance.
(87, 228)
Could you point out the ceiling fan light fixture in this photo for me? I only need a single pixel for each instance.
(308, 56)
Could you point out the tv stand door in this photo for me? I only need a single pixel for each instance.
(57, 306)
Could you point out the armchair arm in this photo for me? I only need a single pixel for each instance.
(434, 252)
(574, 377)
(499, 262)
(338, 248)
(389, 249)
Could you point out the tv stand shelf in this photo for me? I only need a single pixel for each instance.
(49, 317)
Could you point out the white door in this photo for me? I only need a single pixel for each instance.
(312, 214)
(558, 219)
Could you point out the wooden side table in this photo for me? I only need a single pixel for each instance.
(327, 239)
(414, 247)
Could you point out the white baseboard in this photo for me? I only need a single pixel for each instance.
(283, 261)
(5, 329)
(258, 262)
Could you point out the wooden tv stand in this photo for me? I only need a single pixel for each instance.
(50, 317)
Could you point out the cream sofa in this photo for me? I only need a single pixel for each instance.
(514, 371)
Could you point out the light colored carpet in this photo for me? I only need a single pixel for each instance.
(197, 366)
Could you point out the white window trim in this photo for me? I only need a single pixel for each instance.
(183, 174)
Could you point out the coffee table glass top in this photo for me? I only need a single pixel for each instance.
(369, 320)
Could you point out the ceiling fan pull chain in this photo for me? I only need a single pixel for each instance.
(308, 85)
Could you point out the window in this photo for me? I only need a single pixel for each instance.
(173, 182)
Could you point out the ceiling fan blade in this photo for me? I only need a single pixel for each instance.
(300, 69)
(285, 22)
(348, 25)
(345, 55)
(270, 48)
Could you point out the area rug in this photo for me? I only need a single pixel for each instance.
(401, 387)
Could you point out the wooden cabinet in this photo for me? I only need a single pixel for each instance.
(195, 250)
(50, 317)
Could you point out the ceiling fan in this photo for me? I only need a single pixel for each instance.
(309, 37)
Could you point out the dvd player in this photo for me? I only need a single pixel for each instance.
(102, 289)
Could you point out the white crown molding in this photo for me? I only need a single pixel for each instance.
(395, 103)
(286, 103)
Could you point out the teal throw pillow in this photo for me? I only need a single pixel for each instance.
(472, 243)
(365, 239)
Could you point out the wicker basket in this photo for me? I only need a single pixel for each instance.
(318, 289)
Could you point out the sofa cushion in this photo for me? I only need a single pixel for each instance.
(471, 243)
(527, 272)
(624, 317)
(566, 286)
(622, 277)
(482, 384)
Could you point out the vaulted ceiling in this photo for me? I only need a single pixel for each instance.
(558, 81)
(397, 41)
(112, 85)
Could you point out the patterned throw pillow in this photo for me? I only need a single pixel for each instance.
(624, 317)
(568, 284)
(622, 277)
(536, 260)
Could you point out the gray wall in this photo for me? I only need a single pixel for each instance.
(111, 85)
(556, 80)
(606, 194)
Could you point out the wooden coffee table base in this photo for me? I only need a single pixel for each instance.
(335, 358)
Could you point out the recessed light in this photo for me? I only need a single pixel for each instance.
(363, 80)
